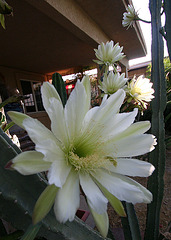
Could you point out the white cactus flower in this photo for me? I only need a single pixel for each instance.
(108, 53)
(129, 17)
(91, 148)
(112, 82)
(140, 90)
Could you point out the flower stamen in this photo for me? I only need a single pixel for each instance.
(88, 163)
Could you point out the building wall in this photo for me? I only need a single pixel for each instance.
(137, 72)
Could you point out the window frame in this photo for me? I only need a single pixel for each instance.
(32, 78)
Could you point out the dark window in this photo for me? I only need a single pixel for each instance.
(33, 101)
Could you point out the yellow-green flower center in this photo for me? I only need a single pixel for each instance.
(135, 91)
(90, 162)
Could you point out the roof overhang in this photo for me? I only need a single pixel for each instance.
(45, 36)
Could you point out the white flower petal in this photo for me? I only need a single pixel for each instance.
(90, 116)
(75, 110)
(131, 142)
(132, 167)
(134, 145)
(30, 162)
(112, 82)
(48, 91)
(104, 99)
(124, 188)
(95, 121)
(86, 82)
(18, 118)
(140, 90)
(43, 138)
(58, 125)
(119, 123)
(114, 102)
(108, 53)
(58, 172)
(98, 116)
(68, 199)
(96, 199)
(129, 16)
(135, 129)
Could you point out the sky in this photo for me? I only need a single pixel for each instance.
(144, 13)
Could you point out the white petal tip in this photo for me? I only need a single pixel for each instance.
(151, 170)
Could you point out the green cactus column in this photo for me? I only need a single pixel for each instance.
(59, 84)
(157, 157)
(167, 7)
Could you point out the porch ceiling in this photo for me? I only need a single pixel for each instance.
(38, 38)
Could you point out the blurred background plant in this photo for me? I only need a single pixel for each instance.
(5, 10)
(167, 112)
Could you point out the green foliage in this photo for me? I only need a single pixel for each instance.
(167, 71)
(2, 119)
(3, 124)
(167, 112)
(5, 9)
(2, 20)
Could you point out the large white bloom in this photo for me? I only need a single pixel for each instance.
(129, 17)
(140, 90)
(112, 82)
(108, 53)
(91, 148)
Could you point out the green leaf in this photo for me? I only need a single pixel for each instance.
(5, 8)
(101, 221)
(44, 203)
(2, 20)
(8, 126)
(11, 99)
(2, 117)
